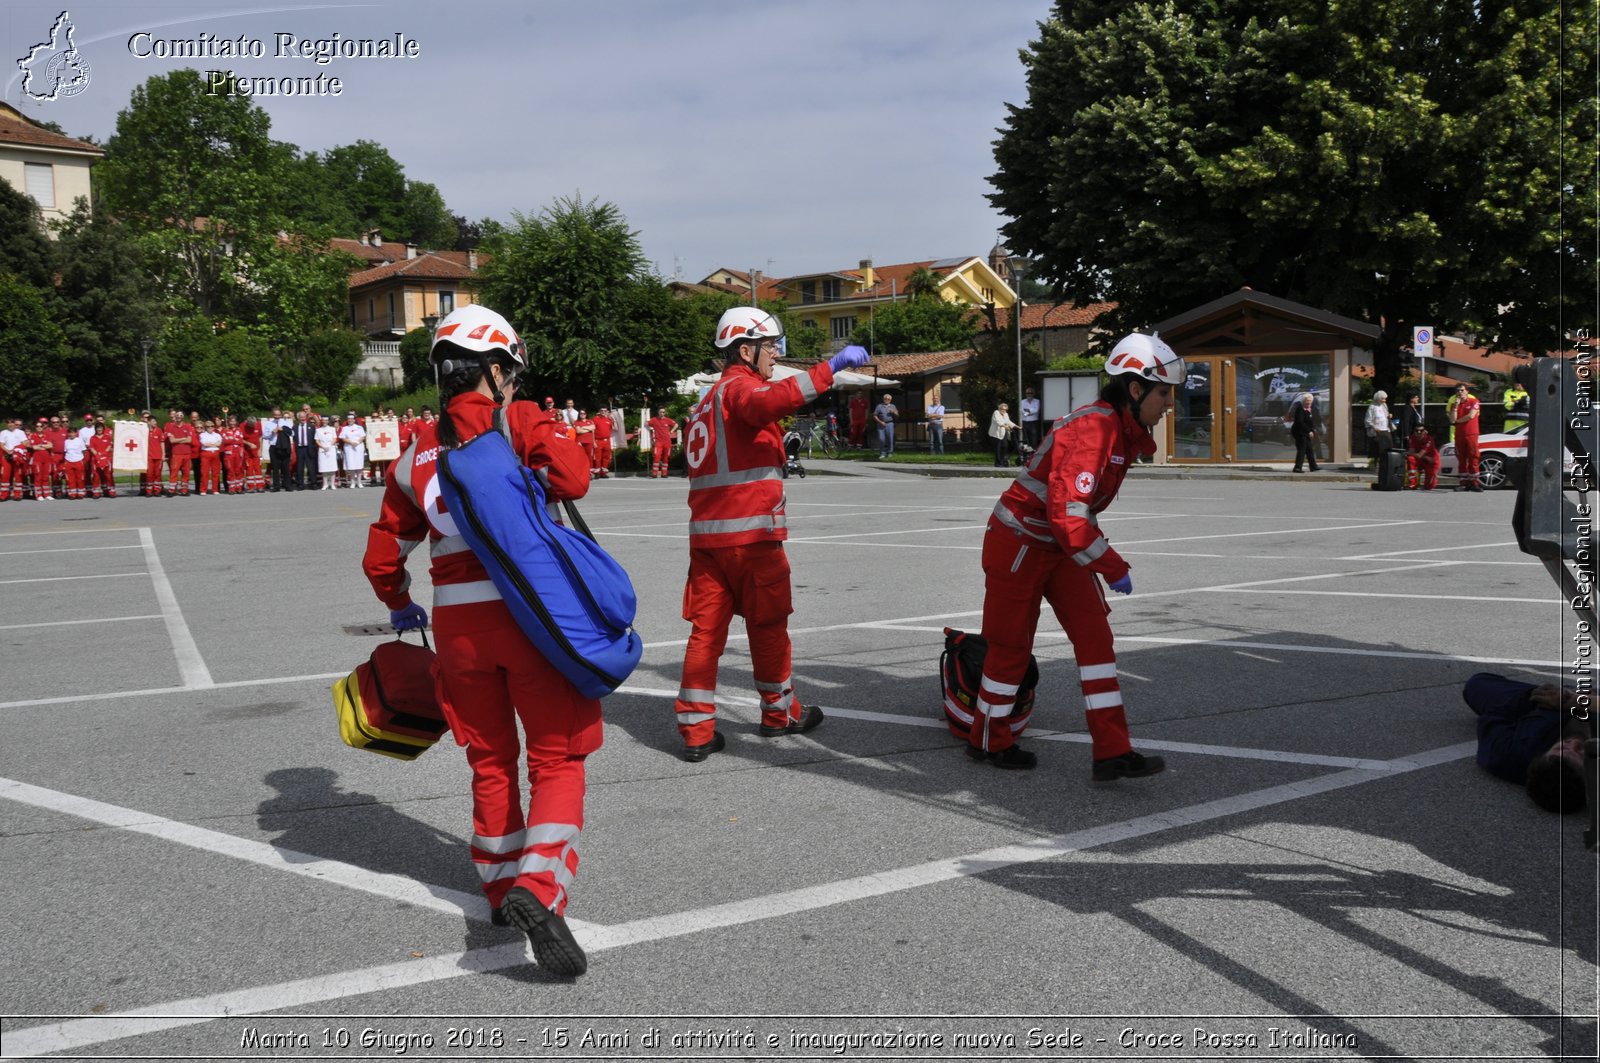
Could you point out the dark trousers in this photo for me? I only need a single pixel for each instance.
(1382, 443)
(1002, 449)
(1305, 449)
(280, 470)
(305, 466)
(1032, 432)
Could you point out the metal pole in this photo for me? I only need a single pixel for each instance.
(1016, 272)
(145, 344)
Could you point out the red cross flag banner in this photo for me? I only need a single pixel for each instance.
(383, 438)
(130, 447)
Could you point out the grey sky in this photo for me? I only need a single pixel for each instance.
(810, 134)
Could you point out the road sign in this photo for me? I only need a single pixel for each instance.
(1422, 341)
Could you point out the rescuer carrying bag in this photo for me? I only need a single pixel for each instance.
(388, 705)
(570, 597)
(961, 673)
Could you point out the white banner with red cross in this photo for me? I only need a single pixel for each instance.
(383, 438)
(130, 447)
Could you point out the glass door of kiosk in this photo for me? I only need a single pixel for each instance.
(1202, 416)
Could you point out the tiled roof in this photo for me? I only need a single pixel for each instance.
(426, 266)
(1053, 315)
(886, 281)
(366, 251)
(15, 129)
(904, 365)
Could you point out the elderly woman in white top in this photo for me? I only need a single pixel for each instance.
(354, 438)
(1000, 427)
(327, 438)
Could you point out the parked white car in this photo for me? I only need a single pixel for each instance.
(1498, 454)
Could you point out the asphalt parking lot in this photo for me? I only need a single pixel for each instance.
(196, 867)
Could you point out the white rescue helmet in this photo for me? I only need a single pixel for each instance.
(1146, 357)
(478, 330)
(747, 323)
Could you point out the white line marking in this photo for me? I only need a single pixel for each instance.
(59, 579)
(436, 898)
(107, 530)
(68, 699)
(1430, 550)
(937, 723)
(77, 1033)
(68, 550)
(1276, 531)
(874, 535)
(66, 623)
(1400, 654)
(1256, 656)
(1418, 597)
(191, 666)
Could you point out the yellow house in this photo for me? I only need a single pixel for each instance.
(839, 301)
(52, 168)
(391, 299)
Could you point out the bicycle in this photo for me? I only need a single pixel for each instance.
(814, 435)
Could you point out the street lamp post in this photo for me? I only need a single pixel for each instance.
(146, 345)
(1017, 263)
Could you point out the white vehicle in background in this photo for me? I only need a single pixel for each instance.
(1498, 454)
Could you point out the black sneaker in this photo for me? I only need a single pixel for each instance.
(809, 720)
(1128, 766)
(695, 754)
(1014, 758)
(553, 944)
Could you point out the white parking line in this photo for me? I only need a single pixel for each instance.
(1415, 597)
(1430, 550)
(68, 550)
(1319, 530)
(191, 666)
(396, 887)
(92, 620)
(78, 1033)
(937, 723)
(61, 579)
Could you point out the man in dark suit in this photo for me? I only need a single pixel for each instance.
(278, 452)
(1307, 426)
(305, 452)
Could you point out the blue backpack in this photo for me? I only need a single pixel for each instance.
(570, 597)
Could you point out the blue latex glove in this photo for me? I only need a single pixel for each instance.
(1123, 585)
(410, 618)
(849, 358)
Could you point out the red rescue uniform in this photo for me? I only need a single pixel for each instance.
(603, 427)
(101, 479)
(155, 454)
(662, 431)
(1044, 543)
(489, 674)
(1422, 462)
(1466, 422)
(182, 441)
(737, 526)
(43, 463)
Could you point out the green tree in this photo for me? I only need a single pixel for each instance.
(923, 283)
(195, 176)
(328, 358)
(311, 197)
(918, 324)
(427, 221)
(24, 247)
(1396, 161)
(373, 185)
(415, 369)
(575, 283)
(991, 376)
(216, 365)
(32, 350)
(108, 306)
